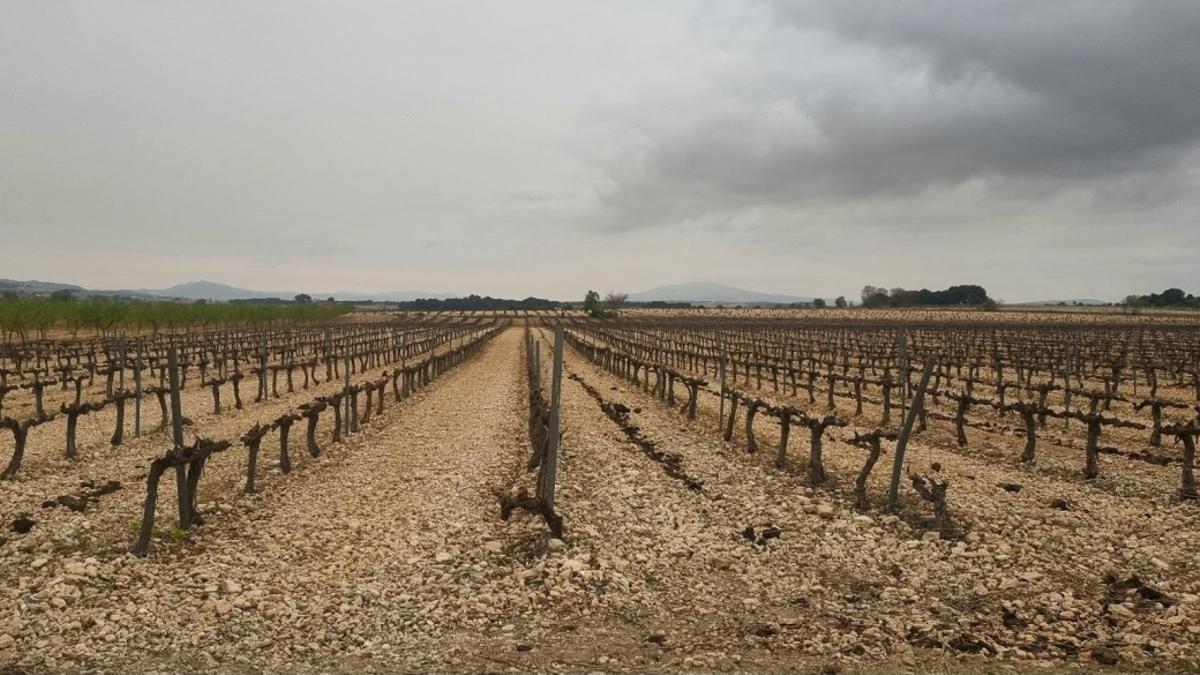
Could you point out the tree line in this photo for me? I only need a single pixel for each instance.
(1172, 297)
(475, 303)
(969, 295)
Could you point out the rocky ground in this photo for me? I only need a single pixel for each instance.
(681, 552)
(1044, 568)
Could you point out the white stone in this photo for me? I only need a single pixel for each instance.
(1120, 610)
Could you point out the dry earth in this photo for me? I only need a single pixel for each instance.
(387, 553)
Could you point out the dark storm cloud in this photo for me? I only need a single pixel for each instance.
(856, 99)
(1109, 80)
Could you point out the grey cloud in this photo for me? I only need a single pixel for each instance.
(1031, 97)
(475, 147)
(1119, 78)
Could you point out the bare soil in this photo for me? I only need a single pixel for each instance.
(387, 552)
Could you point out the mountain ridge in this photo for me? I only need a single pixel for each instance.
(211, 290)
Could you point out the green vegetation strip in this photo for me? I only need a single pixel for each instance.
(24, 317)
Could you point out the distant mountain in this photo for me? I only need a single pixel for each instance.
(36, 287)
(207, 290)
(210, 290)
(699, 292)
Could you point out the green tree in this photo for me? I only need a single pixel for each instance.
(819, 303)
(840, 301)
(874, 296)
(1173, 296)
(591, 303)
(303, 299)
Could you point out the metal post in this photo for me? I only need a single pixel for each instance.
(902, 349)
(181, 486)
(121, 351)
(328, 355)
(262, 369)
(1067, 388)
(137, 390)
(346, 390)
(550, 462)
(721, 413)
(902, 443)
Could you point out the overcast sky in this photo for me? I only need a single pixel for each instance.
(1041, 149)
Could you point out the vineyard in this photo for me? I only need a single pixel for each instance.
(722, 490)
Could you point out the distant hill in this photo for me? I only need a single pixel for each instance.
(36, 287)
(45, 288)
(209, 290)
(708, 293)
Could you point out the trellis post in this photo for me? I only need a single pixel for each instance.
(902, 349)
(1067, 388)
(181, 486)
(262, 369)
(721, 366)
(137, 390)
(902, 443)
(550, 461)
(121, 352)
(347, 417)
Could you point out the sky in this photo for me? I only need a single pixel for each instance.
(545, 147)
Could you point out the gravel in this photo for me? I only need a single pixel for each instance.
(387, 553)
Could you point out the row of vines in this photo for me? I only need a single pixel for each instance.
(1119, 390)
